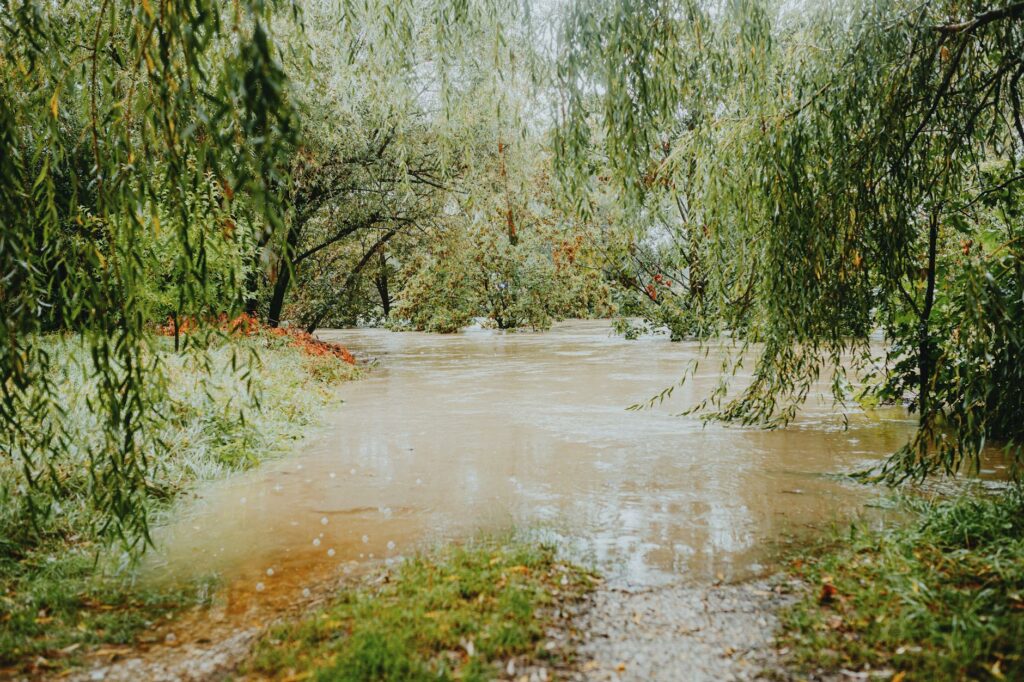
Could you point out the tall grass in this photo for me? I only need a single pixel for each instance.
(941, 599)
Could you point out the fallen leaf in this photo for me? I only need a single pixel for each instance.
(828, 593)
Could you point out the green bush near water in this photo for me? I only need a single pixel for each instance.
(942, 599)
(224, 409)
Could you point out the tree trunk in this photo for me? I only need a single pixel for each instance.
(277, 300)
(924, 360)
(284, 275)
(382, 283)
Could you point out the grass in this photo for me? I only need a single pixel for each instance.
(460, 614)
(62, 590)
(940, 599)
(56, 607)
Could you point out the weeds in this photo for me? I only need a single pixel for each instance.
(942, 599)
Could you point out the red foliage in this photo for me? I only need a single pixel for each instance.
(247, 325)
(311, 345)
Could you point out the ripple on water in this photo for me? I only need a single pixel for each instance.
(482, 431)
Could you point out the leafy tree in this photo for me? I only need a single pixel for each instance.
(120, 122)
(831, 160)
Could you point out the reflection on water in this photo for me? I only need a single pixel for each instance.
(456, 434)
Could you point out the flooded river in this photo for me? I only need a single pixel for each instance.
(450, 436)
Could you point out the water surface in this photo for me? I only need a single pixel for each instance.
(452, 435)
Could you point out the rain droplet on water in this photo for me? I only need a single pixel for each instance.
(316, 542)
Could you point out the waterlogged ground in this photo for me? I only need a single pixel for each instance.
(453, 435)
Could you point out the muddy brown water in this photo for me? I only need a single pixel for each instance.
(450, 436)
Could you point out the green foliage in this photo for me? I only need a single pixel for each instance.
(208, 416)
(803, 176)
(543, 276)
(942, 599)
(459, 615)
(113, 117)
(60, 585)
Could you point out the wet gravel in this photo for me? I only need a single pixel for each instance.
(193, 662)
(681, 632)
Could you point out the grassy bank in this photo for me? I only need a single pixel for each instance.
(468, 613)
(940, 599)
(62, 590)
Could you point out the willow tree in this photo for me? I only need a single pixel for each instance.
(844, 155)
(148, 157)
(120, 120)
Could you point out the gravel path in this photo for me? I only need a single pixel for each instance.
(681, 632)
(676, 633)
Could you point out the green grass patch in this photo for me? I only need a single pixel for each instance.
(62, 590)
(57, 605)
(459, 614)
(940, 599)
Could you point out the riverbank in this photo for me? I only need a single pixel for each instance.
(939, 599)
(64, 595)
